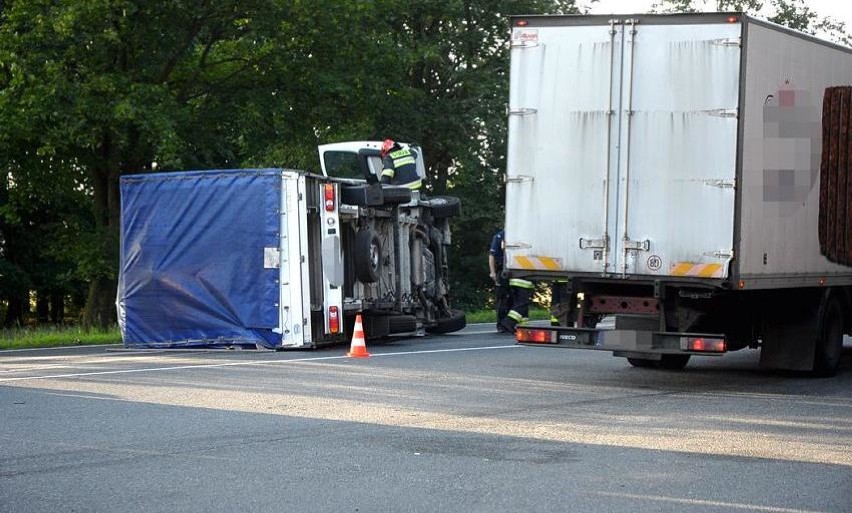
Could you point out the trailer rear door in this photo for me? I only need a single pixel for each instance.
(623, 146)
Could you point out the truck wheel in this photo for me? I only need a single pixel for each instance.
(642, 362)
(673, 361)
(444, 206)
(830, 342)
(394, 195)
(454, 322)
(368, 255)
(401, 324)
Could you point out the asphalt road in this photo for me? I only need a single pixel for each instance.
(465, 422)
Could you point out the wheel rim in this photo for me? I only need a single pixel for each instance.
(374, 256)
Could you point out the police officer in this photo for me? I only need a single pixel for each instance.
(399, 165)
(502, 299)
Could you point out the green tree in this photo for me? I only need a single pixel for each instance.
(795, 14)
(106, 87)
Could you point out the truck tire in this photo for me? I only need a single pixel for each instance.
(394, 195)
(829, 345)
(673, 361)
(444, 206)
(401, 324)
(368, 256)
(642, 362)
(454, 322)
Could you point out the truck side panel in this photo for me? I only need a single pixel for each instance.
(786, 75)
(193, 254)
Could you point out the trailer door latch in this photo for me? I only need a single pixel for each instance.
(594, 243)
(637, 245)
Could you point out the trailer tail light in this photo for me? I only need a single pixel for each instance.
(703, 344)
(329, 197)
(535, 336)
(333, 320)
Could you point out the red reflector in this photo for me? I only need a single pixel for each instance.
(535, 336)
(329, 197)
(732, 19)
(333, 320)
(521, 23)
(704, 345)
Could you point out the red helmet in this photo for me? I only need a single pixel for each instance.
(387, 146)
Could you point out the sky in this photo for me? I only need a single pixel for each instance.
(840, 10)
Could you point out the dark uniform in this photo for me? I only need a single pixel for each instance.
(521, 292)
(559, 299)
(502, 299)
(400, 168)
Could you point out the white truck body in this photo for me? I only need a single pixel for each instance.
(687, 174)
(662, 146)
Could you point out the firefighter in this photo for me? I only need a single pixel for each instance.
(558, 299)
(399, 166)
(521, 292)
(501, 285)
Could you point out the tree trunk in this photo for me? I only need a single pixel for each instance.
(100, 303)
(57, 308)
(42, 308)
(17, 306)
(100, 309)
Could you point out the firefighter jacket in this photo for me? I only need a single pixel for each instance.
(400, 168)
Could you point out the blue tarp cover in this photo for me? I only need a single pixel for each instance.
(192, 258)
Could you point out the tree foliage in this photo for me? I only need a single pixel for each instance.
(795, 14)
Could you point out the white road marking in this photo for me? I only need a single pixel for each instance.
(4, 351)
(244, 363)
(702, 502)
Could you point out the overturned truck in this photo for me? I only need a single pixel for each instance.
(279, 258)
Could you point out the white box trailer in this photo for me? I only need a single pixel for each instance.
(671, 168)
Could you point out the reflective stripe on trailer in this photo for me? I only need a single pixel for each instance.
(538, 262)
(698, 270)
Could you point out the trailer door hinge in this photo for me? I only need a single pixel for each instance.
(518, 245)
(722, 113)
(522, 111)
(520, 43)
(722, 184)
(519, 178)
(731, 42)
(727, 254)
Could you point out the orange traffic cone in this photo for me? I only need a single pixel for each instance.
(358, 349)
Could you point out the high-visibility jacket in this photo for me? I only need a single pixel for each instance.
(400, 168)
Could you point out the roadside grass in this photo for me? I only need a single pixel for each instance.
(486, 316)
(28, 338)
